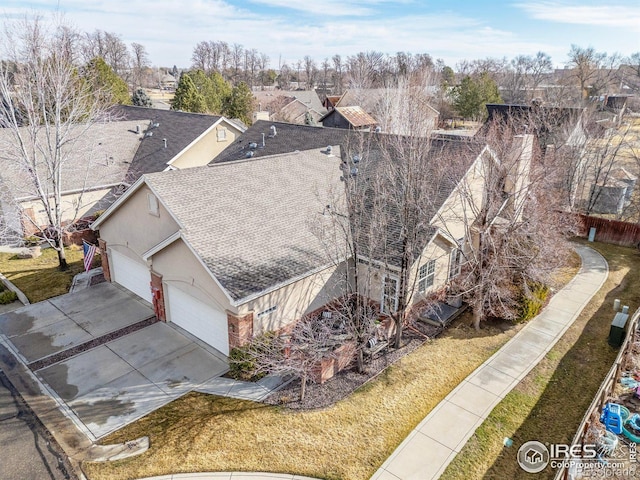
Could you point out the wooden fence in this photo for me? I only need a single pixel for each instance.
(606, 389)
(610, 231)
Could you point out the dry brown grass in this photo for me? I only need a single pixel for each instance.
(349, 440)
(39, 278)
(550, 402)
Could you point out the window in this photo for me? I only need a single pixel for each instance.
(222, 134)
(455, 261)
(426, 275)
(268, 311)
(152, 204)
(389, 302)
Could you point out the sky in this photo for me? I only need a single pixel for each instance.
(287, 30)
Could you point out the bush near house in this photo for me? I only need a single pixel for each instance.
(533, 301)
(7, 296)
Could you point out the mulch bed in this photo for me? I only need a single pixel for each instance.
(348, 380)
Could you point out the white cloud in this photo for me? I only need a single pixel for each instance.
(333, 8)
(621, 16)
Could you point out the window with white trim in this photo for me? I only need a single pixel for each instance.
(222, 134)
(426, 275)
(389, 303)
(152, 204)
(455, 262)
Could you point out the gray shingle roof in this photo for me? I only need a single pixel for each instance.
(101, 155)
(252, 222)
(289, 138)
(179, 128)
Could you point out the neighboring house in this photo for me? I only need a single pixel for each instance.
(376, 102)
(238, 248)
(226, 250)
(272, 138)
(109, 157)
(95, 165)
(349, 117)
(299, 107)
(175, 140)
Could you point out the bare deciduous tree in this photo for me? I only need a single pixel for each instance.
(45, 110)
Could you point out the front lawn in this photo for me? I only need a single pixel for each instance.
(349, 440)
(39, 278)
(548, 405)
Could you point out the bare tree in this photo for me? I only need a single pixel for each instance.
(237, 52)
(139, 61)
(592, 70)
(45, 110)
(337, 74)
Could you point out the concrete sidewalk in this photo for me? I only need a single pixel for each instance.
(432, 445)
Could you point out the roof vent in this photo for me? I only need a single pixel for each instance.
(356, 159)
(329, 149)
(273, 131)
(249, 154)
(156, 125)
(378, 129)
(263, 144)
(138, 129)
(148, 134)
(253, 145)
(354, 171)
(164, 140)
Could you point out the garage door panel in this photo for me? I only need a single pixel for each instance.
(201, 320)
(131, 275)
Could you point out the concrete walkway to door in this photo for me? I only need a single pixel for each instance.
(432, 445)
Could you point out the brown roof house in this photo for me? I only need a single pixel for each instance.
(349, 117)
(241, 247)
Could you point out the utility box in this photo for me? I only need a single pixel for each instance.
(618, 330)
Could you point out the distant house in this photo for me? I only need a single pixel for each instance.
(168, 82)
(290, 106)
(349, 117)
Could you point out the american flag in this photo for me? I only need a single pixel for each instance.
(89, 252)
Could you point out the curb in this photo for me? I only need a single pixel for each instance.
(21, 296)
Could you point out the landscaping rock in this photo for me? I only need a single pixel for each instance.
(33, 252)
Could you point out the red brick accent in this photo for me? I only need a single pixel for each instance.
(105, 259)
(240, 329)
(344, 355)
(324, 370)
(158, 296)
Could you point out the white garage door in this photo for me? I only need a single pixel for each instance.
(205, 322)
(130, 274)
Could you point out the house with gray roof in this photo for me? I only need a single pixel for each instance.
(250, 243)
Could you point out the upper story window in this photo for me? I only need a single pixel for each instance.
(222, 134)
(455, 262)
(426, 275)
(152, 205)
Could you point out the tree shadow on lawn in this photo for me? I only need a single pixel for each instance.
(573, 379)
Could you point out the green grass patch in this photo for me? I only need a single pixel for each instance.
(548, 405)
(40, 278)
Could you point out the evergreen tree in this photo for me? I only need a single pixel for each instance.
(107, 85)
(187, 97)
(240, 103)
(141, 99)
(472, 94)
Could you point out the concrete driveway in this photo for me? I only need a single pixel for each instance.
(120, 377)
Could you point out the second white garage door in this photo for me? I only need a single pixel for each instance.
(131, 275)
(201, 320)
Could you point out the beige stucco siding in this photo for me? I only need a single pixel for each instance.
(73, 206)
(206, 148)
(132, 230)
(181, 269)
(296, 299)
(460, 210)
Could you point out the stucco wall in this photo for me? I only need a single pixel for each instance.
(207, 148)
(82, 201)
(297, 299)
(181, 269)
(132, 230)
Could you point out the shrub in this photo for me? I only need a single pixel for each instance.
(31, 241)
(532, 301)
(7, 297)
(244, 360)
